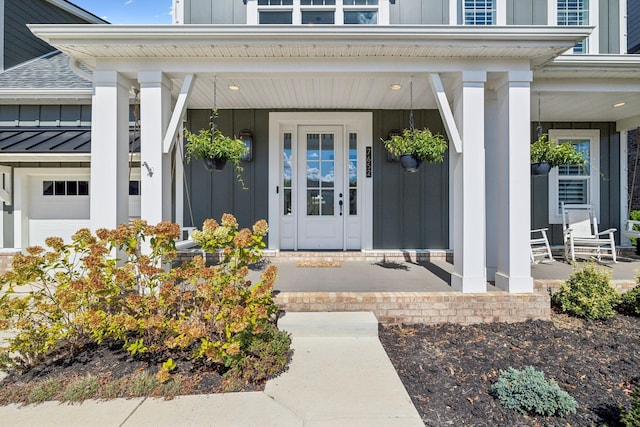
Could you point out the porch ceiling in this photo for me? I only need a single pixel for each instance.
(586, 88)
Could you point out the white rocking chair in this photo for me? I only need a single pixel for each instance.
(581, 236)
(540, 245)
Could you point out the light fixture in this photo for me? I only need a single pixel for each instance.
(396, 86)
(619, 104)
(246, 137)
(234, 87)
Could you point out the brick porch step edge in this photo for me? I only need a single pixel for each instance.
(425, 307)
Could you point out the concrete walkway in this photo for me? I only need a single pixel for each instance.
(339, 376)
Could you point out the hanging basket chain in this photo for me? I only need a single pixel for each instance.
(539, 128)
(214, 112)
(411, 121)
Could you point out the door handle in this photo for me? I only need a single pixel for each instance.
(340, 203)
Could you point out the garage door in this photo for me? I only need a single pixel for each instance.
(58, 207)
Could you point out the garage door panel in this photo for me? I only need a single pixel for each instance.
(40, 229)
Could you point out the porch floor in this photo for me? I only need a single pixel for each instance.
(412, 276)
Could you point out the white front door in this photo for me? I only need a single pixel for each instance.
(321, 196)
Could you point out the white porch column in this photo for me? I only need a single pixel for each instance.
(109, 189)
(468, 193)
(155, 166)
(513, 207)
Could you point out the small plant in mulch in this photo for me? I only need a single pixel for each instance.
(630, 416)
(529, 392)
(588, 293)
(630, 301)
(211, 317)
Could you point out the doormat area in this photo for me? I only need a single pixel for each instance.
(329, 264)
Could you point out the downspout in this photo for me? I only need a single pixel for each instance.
(74, 64)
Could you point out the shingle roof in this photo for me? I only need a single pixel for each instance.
(38, 141)
(51, 71)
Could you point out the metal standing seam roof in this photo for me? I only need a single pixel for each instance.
(59, 141)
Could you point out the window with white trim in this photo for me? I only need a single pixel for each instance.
(574, 12)
(319, 12)
(479, 12)
(575, 184)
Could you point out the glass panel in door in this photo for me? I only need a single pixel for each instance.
(321, 184)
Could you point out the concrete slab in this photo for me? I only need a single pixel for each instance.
(343, 381)
(93, 413)
(334, 324)
(218, 410)
(362, 276)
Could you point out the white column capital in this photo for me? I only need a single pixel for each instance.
(110, 78)
(469, 77)
(515, 78)
(153, 79)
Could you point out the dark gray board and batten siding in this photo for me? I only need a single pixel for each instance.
(411, 211)
(19, 43)
(609, 182)
(633, 26)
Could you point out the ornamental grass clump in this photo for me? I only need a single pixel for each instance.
(528, 392)
(588, 294)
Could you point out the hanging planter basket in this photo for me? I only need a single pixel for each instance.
(409, 162)
(540, 169)
(214, 163)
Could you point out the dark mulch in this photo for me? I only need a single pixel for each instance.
(448, 369)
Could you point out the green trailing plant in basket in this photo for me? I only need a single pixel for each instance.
(543, 150)
(213, 144)
(421, 143)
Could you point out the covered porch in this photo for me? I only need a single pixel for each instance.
(481, 91)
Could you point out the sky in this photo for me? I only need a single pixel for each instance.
(129, 11)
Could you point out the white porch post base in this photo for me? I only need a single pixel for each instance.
(513, 284)
(469, 284)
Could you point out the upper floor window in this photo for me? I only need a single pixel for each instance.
(574, 12)
(318, 12)
(479, 12)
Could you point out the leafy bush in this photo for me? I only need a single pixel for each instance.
(630, 301)
(631, 414)
(588, 293)
(634, 216)
(81, 292)
(528, 392)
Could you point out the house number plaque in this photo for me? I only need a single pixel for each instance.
(368, 163)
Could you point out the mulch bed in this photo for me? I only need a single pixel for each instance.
(448, 369)
(111, 363)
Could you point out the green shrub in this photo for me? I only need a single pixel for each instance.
(634, 216)
(630, 301)
(631, 414)
(528, 392)
(588, 293)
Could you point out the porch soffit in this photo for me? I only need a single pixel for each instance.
(87, 43)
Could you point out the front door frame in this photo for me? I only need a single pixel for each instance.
(358, 229)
